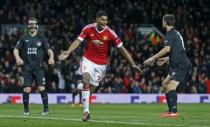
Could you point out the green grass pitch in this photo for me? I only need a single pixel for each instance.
(106, 115)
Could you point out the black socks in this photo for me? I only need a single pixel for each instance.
(25, 100)
(172, 101)
(44, 98)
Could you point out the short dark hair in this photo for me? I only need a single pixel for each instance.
(101, 13)
(169, 19)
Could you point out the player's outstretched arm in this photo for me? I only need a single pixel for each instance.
(19, 61)
(161, 53)
(51, 57)
(125, 53)
(72, 47)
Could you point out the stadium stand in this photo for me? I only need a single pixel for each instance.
(65, 19)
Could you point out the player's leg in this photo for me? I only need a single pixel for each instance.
(74, 93)
(164, 90)
(165, 83)
(178, 78)
(86, 69)
(27, 82)
(86, 91)
(79, 91)
(41, 82)
(95, 78)
(26, 91)
(85, 96)
(172, 95)
(172, 99)
(80, 99)
(91, 76)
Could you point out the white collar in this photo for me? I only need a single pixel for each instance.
(98, 30)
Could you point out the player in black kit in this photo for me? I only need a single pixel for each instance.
(29, 53)
(180, 65)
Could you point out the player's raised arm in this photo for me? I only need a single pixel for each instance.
(71, 48)
(125, 53)
(74, 45)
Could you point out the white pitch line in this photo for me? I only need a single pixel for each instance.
(96, 121)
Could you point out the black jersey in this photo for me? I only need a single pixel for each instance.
(177, 56)
(31, 50)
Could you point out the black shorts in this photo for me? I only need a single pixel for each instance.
(180, 74)
(35, 75)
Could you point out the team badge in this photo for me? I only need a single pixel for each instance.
(39, 43)
(105, 38)
(173, 73)
(92, 35)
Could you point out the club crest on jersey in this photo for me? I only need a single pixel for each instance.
(92, 35)
(105, 38)
(39, 43)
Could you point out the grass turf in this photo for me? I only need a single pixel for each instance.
(106, 115)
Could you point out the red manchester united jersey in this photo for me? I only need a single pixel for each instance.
(98, 53)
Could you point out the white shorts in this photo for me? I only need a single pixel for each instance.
(97, 72)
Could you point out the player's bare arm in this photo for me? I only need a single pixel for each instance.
(160, 54)
(72, 47)
(51, 57)
(19, 61)
(162, 61)
(125, 53)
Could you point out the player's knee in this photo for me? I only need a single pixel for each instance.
(86, 86)
(27, 89)
(86, 78)
(41, 88)
(165, 82)
(171, 87)
(85, 82)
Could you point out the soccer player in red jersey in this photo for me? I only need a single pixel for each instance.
(94, 61)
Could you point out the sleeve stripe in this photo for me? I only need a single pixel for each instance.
(88, 26)
(119, 45)
(112, 32)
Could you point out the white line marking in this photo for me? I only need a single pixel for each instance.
(96, 121)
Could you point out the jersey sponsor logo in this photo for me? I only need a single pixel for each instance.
(32, 51)
(39, 43)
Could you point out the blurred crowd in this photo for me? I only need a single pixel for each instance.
(64, 20)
